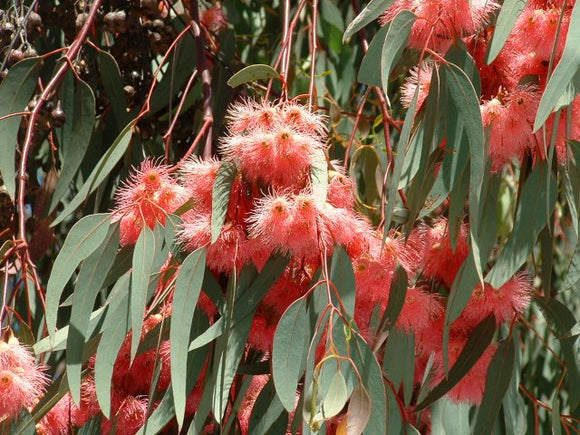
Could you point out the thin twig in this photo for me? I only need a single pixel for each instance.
(205, 76)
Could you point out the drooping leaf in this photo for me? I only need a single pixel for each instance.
(565, 71)
(368, 72)
(562, 320)
(466, 102)
(79, 107)
(395, 41)
(252, 73)
(91, 278)
(448, 418)
(474, 348)
(82, 240)
(221, 196)
(102, 170)
(359, 411)
(185, 296)
(142, 261)
(112, 80)
(15, 92)
(531, 218)
(508, 15)
(319, 175)
(117, 325)
(371, 12)
(289, 351)
(401, 151)
(262, 422)
(342, 276)
(399, 361)
(497, 382)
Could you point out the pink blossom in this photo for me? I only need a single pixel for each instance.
(419, 76)
(145, 198)
(439, 22)
(506, 302)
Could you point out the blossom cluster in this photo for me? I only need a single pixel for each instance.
(22, 380)
(277, 206)
(511, 85)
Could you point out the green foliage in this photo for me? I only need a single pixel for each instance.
(159, 86)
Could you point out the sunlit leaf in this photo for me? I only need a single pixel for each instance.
(15, 92)
(252, 73)
(508, 15)
(371, 12)
(91, 277)
(500, 372)
(221, 196)
(185, 296)
(289, 351)
(102, 170)
(142, 261)
(83, 239)
(79, 106)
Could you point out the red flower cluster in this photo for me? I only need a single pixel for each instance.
(511, 86)
(22, 380)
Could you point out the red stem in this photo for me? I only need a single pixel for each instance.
(205, 76)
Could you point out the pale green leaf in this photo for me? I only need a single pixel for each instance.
(15, 92)
(102, 169)
(565, 71)
(252, 73)
(289, 351)
(185, 297)
(371, 12)
(82, 240)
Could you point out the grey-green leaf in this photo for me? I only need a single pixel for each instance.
(90, 280)
(82, 240)
(508, 15)
(565, 71)
(288, 352)
(79, 107)
(143, 256)
(497, 382)
(221, 196)
(252, 73)
(186, 294)
(371, 12)
(395, 41)
(15, 92)
(101, 171)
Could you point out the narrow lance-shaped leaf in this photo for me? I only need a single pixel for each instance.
(79, 107)
(252, 73)
(368, 72)
(467, 103)
(359, 411)
(565, 71)
(400, 152)
(531, 218)
(371, 11)
(497, 382)
(186, 294)
(143, 256)
(474, 348)
(91, 278)
(342, 276)
(319, 175)
(101, 171)
(221, 196)
(115, 329)
(15, 92)
(82, 240)
(395, 41)
(508, 15)
(288, 352)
